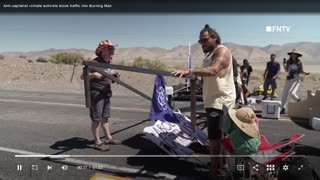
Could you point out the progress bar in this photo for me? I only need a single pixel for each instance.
(146, 156)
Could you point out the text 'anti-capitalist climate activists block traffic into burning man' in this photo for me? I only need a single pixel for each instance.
(57, 6)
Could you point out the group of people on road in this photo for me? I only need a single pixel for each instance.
(293, 66)
(218, 73)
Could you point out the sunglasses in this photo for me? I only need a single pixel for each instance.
(110, 48)
(204, 40)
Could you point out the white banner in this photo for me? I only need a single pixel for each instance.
(174, 138)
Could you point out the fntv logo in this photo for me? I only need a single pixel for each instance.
(278, 28)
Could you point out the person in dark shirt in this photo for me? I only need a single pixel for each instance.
(100, 91)
(235, 76)
(246, 71)
(270, 76)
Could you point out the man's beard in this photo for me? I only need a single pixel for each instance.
(210, 48)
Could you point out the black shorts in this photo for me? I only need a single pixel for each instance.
(270, 81)
(100, 106)
(215, 123)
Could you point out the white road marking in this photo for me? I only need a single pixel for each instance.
(280, 119)
(93, 164)
(71, 104)
(114, 108)
(141, 156)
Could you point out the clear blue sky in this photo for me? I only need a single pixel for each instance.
(27, 32)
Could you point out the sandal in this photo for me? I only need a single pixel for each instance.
(102, 147)
(112, 142)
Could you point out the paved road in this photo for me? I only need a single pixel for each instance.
(58, 124)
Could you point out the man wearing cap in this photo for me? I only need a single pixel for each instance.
(218, 88)
(100, 91)
(294, 68)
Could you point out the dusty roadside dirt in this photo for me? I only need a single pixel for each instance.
(19, 74)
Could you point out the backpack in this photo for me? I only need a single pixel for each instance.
(298, 168)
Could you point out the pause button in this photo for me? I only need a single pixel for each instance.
(19, 167)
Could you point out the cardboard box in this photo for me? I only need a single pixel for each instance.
(304, 109)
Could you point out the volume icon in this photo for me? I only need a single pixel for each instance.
(64, 167)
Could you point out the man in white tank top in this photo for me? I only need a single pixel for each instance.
(218, 88)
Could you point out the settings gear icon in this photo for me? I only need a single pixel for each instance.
(285, 167)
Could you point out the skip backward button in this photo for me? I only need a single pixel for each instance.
(256, 167)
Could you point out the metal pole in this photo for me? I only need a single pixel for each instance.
(193, 103)
(74, 66)
(133, 69)
(86, 79)
(101, 71)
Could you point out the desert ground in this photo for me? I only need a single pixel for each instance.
(23, 75)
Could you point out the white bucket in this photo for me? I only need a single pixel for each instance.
(169, 90)
(316, 123)
(251, 101)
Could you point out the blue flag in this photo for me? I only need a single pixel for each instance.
(172, 131)
(160, 109)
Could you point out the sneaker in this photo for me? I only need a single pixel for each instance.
(102, 147)
(298, 100)
(283, 111)
(112, 142)
(264, 98)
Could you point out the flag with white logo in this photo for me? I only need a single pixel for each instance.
(172, 131)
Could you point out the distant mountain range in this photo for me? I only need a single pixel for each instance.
(179, 54)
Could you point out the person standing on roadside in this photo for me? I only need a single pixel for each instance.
(295, 69)
(246, 70)
(218, 88)
(270, 76)
(100, 92)
(245, 73)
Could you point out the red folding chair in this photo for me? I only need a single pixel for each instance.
(265, 164)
